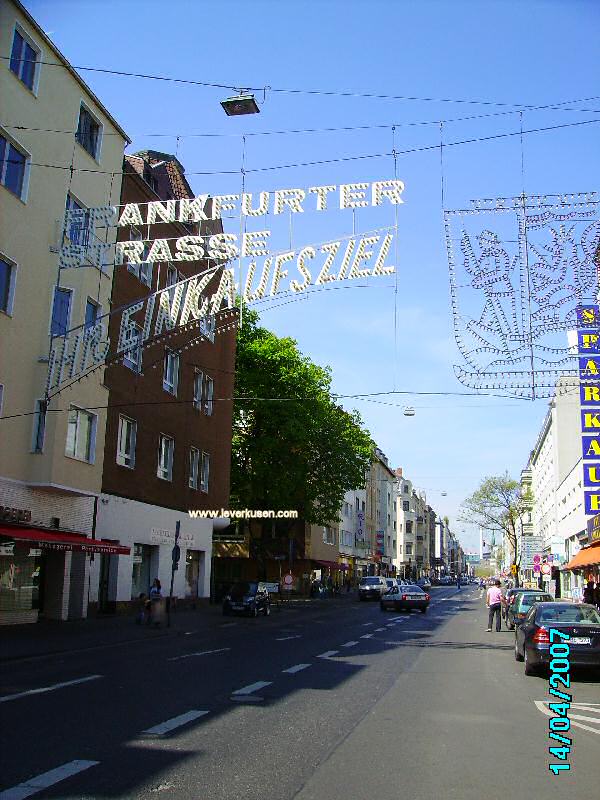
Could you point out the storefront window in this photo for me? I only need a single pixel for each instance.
(192, 573)
(140, 577)
(20, 570)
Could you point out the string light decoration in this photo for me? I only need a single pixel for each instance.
(516, 279)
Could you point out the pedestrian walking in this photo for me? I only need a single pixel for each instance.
(156, 603)
(588, 593)
(493, 601)
(458, 583)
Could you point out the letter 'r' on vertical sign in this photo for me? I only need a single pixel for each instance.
(588, 316)
(589, 394)
(592, 502)
(590, 448)
(591, 476)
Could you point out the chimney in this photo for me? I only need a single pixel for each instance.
(398, 472)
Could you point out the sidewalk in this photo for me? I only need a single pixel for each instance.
(49, 637)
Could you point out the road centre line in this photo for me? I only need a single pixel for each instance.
(367, 636)
(285, 638)
(200, 653)
(43, 689)
(328, 654)
(350, 644)
(295, 668)
(176, 722)
(46, 779)
(252, 687)
(366, 624)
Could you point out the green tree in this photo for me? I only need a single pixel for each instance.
(293, 447)
(499, 504)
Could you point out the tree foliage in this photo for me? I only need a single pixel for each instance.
(498, 504)
(293, 446)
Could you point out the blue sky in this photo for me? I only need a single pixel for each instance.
(541, 52)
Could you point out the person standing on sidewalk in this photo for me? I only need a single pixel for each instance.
(494, 602)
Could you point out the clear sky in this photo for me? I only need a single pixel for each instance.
(503, 54)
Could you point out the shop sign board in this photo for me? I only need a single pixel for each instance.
(593, 528)
(588, 348)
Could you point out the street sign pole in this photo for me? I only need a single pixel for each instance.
(175, 554)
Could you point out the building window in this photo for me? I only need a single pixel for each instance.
(357, 504)
(61, 311)
(205, 472)
(171, 373)
(142, 271)
(133, 355)
(405, 505)
(39, 427)
(194, 467)
(209, 387)
(363, 505)
(8, 272)
(89, 132)
(347, 538)
(13, 167)
(126, 442)
(409, 549)
(406, 488)
(399, 549)
(81, 435)
(24, 59)
(198, 379)
(78, 222)
(409, 526)
(166, 447)
(328, 535)
(92, 312)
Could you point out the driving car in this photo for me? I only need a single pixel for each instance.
(424, 583)
(247, 597)
(522, 602)
(581, 622)
(405, 597)
(373, 586)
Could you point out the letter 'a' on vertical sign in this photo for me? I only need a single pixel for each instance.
(589, 394)
(590, 448)
(588, 316)
(590, 421)
(589, 368)
(592, 502)
(591, 476)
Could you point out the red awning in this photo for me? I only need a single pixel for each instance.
(586, 557)
(61, 540)
(332, 565)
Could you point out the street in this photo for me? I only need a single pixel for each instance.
(332, 699)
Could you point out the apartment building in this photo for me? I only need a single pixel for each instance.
(354, 546)
(168, 434)
(380, 515)
(60, 150)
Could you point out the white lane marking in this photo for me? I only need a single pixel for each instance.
(252, 687)
(285, 638)
(367, 636)
(189, 633)
(390, 625)
(350, 644)
(227, 624)
(543, 706)
(52, 688)
(46, 779)
(395, 619)
(379, 629)
(366, 624)
(328, 654)
(295, 668)
(200, 653)
(175, 722)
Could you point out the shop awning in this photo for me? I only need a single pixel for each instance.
(585, 557)
(332, 565)
(61, 540)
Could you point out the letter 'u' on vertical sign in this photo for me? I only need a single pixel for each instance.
(591, 476)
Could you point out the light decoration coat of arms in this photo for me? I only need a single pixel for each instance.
(519, 268)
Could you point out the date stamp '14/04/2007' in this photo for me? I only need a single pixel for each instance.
(560, 724)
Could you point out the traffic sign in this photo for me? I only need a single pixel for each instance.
(546, 569)
(536, 569)
(288, 581)
(537, 558)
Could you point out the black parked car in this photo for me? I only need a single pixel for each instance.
(405, 597)
(520, 605)
(247, 597)
(580, 621)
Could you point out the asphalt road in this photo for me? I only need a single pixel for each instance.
(328, 701)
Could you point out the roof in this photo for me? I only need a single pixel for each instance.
(71, 69)
(586, 557)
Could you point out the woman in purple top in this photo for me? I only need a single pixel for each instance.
(494, 602)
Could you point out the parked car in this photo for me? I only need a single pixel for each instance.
(508, 597)
(522, 602)
(374, 586)
(405, 597)
(247, 597)
(424, 583)
(580, 621)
